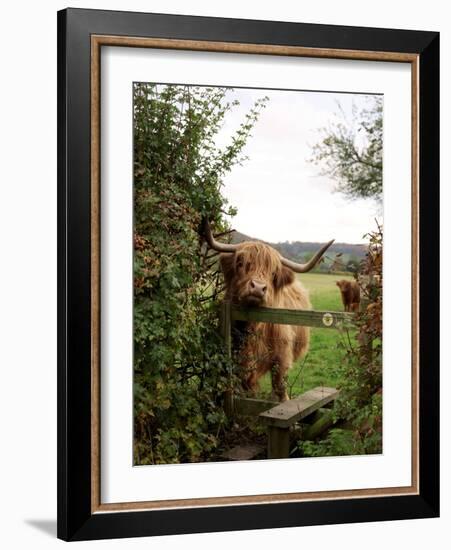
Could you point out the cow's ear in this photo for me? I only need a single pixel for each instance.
(227, 261)
(282, 277)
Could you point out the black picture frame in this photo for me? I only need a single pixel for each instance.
(76, 520)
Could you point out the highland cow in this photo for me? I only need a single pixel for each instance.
(255, 275)
(350, 294)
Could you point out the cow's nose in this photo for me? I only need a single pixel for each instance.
(258, 288)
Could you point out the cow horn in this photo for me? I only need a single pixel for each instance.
(303, 268)
(213, 243)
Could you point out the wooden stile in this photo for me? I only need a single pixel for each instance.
(285, 415)
(281, 417)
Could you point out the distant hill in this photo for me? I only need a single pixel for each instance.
(339, 257)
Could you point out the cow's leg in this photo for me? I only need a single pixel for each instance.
(343, 300)
(279, 373)
(254, 360)
(250, 382)
(248, 366)
(279, 386)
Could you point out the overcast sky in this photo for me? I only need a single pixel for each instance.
(279, 195)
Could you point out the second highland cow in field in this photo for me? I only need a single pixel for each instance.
(350, 294)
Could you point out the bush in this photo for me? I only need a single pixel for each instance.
(180, 370)
(359, 405)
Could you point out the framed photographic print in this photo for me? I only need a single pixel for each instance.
(248, 274)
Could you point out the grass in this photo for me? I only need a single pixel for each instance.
(319, 366)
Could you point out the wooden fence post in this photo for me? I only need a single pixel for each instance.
(225, 323)
(278, 442)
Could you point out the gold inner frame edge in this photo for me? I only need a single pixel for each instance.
(97, 41)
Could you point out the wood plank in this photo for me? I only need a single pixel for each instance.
(289, 412)
(300, 317)
(248, 406)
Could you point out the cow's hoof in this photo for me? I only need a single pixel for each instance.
(280, 398)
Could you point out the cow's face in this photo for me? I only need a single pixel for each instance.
(254, 273)
(342, 285)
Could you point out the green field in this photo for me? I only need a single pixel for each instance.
(319, 366)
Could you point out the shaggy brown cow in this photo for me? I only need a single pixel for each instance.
(350, 294)
(257, 275)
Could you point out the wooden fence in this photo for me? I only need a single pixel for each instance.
(309, 407)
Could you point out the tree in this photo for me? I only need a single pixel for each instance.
(351, 152)
(180, 371)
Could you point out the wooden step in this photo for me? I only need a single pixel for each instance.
(286, 414)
